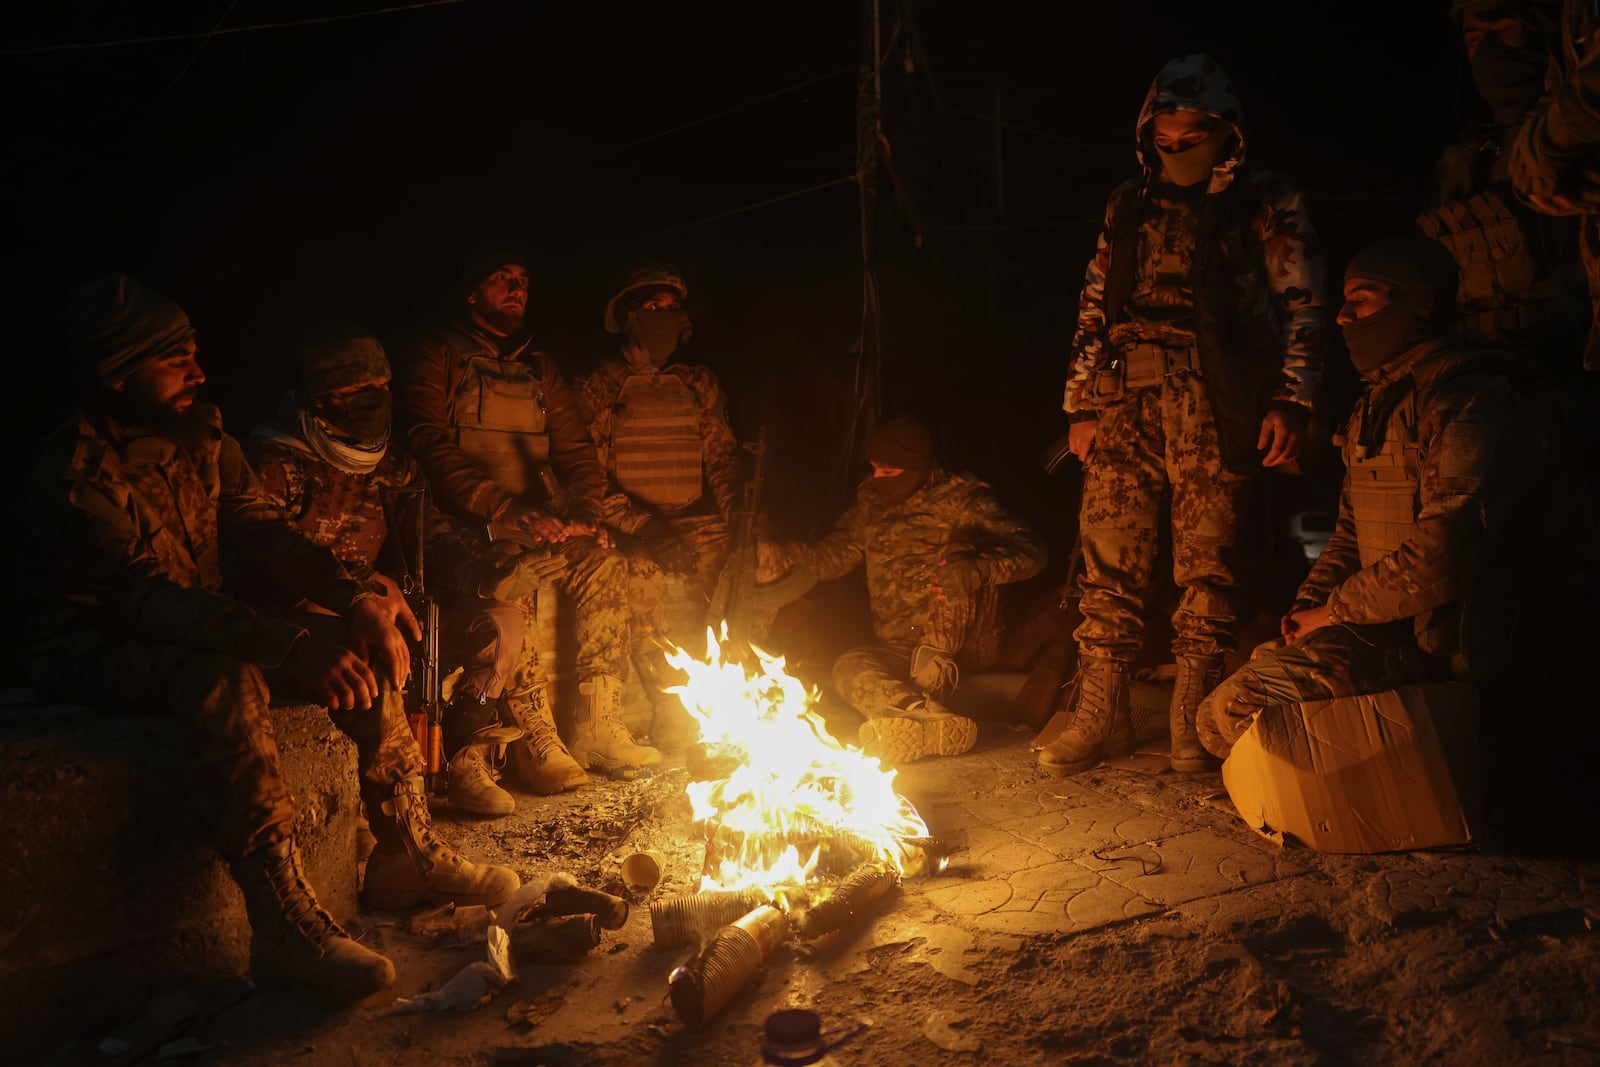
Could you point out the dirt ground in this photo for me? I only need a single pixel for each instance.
(1122, 916)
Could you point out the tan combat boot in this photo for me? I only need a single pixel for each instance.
(412, 866)
(1101, 727)
(600, 741)
(672, 727)
(921, 728)
(540, 758)
(294, 943)
(472, 786)
(1197, 677)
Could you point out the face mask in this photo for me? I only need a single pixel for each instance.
(897, 489)
(1508, 79)
(1381, 337)
(653, 336)
(1192, 165)
(362, 417)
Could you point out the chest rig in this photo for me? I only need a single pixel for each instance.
(500, 420)
(655, 447)
(1384, 482)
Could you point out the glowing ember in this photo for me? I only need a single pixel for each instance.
(792, 788)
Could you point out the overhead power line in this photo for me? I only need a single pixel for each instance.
(207, 34)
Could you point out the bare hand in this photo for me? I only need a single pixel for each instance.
(1301, 624)
(1283, 436)
(332, 673)
(399, 608)
(1079, 436)
(376, 639)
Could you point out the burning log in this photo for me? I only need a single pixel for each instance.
(839, 852)
(701, 987)
(868, 883)
(686, 919)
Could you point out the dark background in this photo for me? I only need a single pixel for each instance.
(272, 173)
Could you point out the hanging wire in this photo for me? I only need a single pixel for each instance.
(252, 28)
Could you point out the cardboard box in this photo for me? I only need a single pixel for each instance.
(1385, 772)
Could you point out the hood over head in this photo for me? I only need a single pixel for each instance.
(1193, 82)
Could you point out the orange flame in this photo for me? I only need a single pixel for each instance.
(790, 778)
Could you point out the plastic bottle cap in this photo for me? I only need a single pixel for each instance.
(793, 1038)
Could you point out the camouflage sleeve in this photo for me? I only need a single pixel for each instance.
(1013, 551)
(259, 533)
(719, 449)
(596, 394)
(1088, 349)
(1297, 277)
(1336, 562)
(1554, 152)
(282, 479)
(96, 538)
(840, 551)
(1475, 458)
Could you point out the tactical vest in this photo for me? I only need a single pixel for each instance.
(500, 419)
(1496, 259)
(1384, 486)
(655, 446)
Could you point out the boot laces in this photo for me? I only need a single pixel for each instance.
(299, 905)
(618, 728)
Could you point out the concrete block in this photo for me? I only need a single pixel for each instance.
(111, 892)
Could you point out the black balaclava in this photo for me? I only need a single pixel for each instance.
(901, 441)
(338, 356)
(1422, 277)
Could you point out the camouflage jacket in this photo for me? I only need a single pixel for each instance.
(427, 407)
(719, 449)
(1557, 148)
(125, 537)
(1481, 450)
(902, 544)
(346, 512)
(1258, 276)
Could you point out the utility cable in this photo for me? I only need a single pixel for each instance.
(160, 38)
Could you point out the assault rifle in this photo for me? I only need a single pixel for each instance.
(424, 694)
(733, 600)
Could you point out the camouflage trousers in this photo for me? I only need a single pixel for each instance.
(1158, 439)
(672, 605)
(223, 703)
(877, 679)
(593, 589)
(1334, 661)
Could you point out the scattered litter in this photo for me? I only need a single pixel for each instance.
(474, 985)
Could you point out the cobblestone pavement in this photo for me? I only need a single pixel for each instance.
(1122, 916)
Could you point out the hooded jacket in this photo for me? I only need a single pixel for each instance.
(1259, 279)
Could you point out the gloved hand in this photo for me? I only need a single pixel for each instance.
(675, 555)
(961, 573)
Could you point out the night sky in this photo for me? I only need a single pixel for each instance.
(265, 175)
